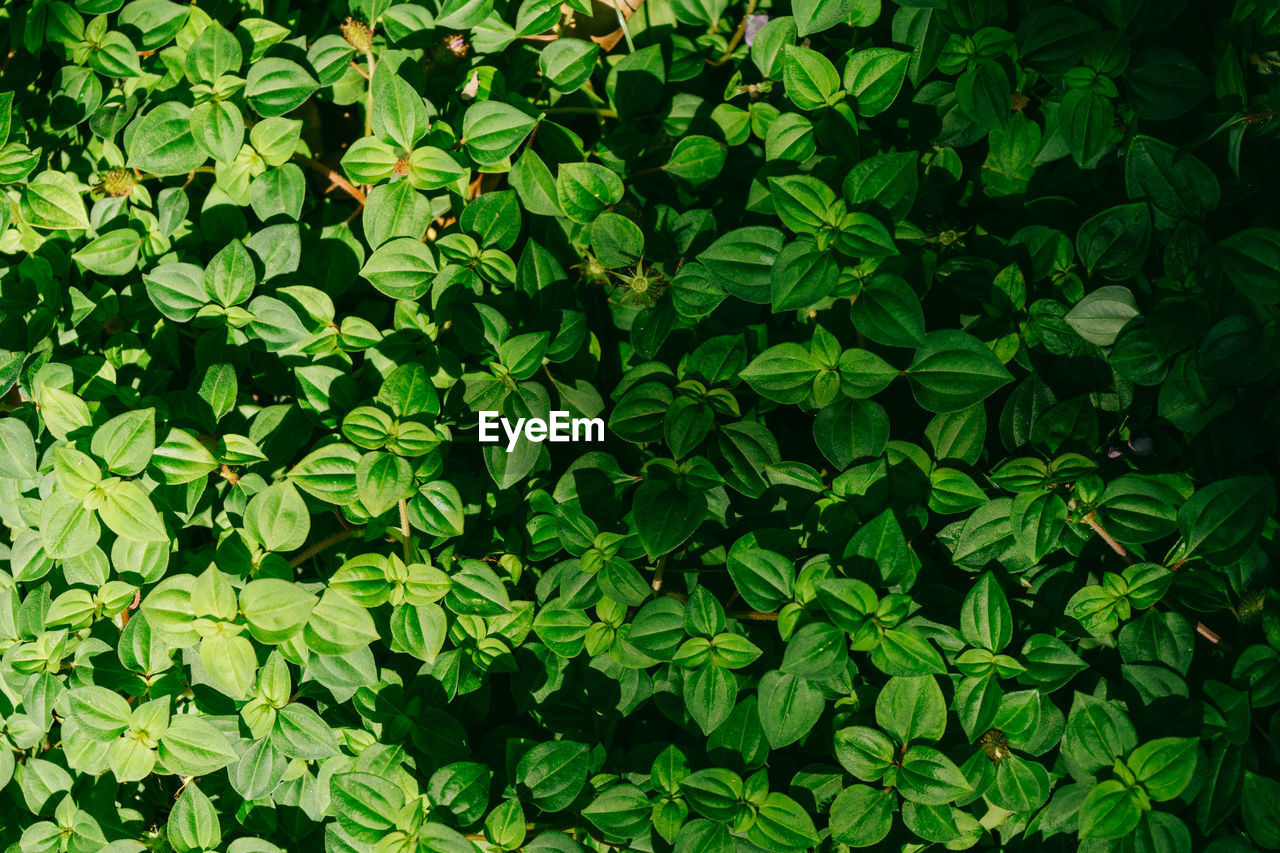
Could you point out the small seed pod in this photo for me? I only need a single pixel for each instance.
(358, 34)
(593, 272)
(117, 183)
(996, 745)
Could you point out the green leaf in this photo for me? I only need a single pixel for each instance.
(666, 516)
(865, 752)
(128, 512)
(112, 253)
(1109, 811)
(783, 373)
(337, 625)
(874, 77)
(275, 86)
(781, 824)
(162, 143)
(861, 816)
(277, 518)
(1250, 259)
(399, 112)
(953, 370)
(230, 277)
(67, 527)
(328, 473)
(300, 733)
(803, 276)
(1020, 785)
(620, 811)
(1222, 519)
(764, 579)
(789, 708)
(275, 609)
(17, 450)
(1261, 815)
(126, 442)
(1085, 119)
(51, 201)
(1113, 244)
(585, 190)
(193, 746)
(553, 773)
(810, 78)
(492, 131)
(367, 804)
(742, 260)
(437, 509)
(983, 94)
(402, 268)
(930, 778)
(888, 312)
(193, 824)
(912, 708)
(709, 696)
(696, 160)
(814, 16)
(218, 129)
(568, 63)
(104, 713)
(801, 202)
(177, 290)
(985, 618)
(1097, 733)
(1164, 767)
(230, 663)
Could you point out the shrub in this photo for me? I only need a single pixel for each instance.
(935, 344)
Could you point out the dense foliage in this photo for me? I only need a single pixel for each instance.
(936, 342)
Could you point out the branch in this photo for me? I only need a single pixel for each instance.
(325, 543)
(334, 178)
(124, 614)
(1091, 520)
(603, 112)
(737, 35)
(754, 615)
(657, 573)
(404, 531)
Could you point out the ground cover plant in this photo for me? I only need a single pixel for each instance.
(936, 346)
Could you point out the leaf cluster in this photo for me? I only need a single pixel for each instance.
(936, 345)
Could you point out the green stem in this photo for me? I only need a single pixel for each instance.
(599, 111)
(334, 178)
(737, 35)
(404, 531)
(324, 544)
(658, 572)
(626, 33)
(368, 113)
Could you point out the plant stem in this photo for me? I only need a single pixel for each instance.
(325, 543)
(657, 573)
(626, 33)
(368, 113)
(1091, 520)
(737, 35)
(603, 112)
(404, 531)
(124, 614)
(334, 178)
(754, 615)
